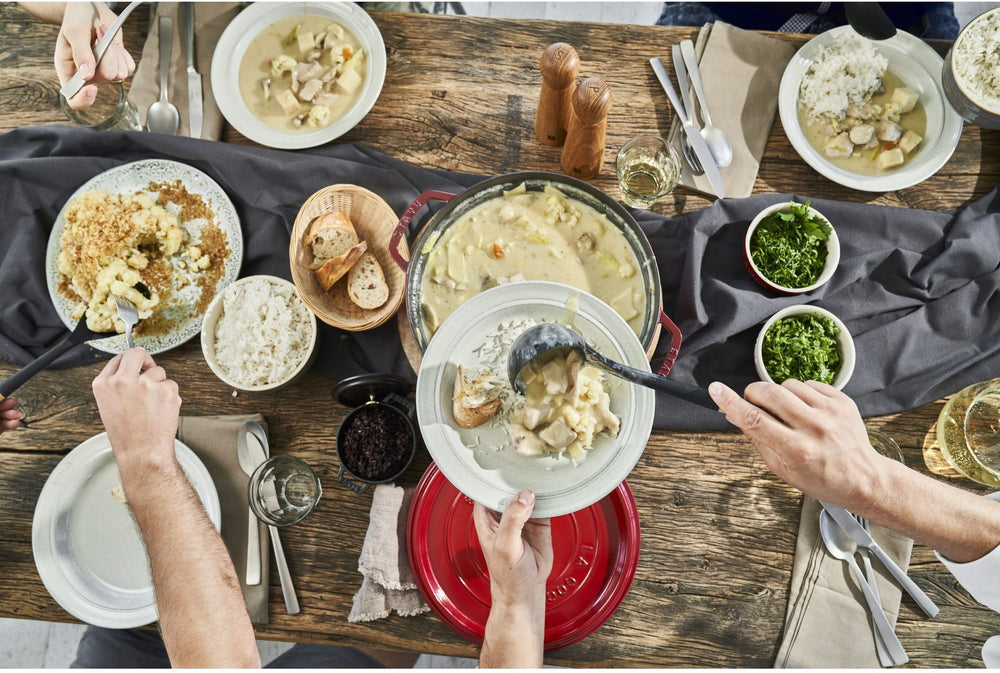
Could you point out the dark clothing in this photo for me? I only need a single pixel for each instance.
(132, 648)
(929, 20)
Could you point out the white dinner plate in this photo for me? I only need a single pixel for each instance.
(470, 458)
(258, 16)
(919, 67)
(179, 308)
(87, 546)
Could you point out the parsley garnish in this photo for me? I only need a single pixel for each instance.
(789, 246)
(802, 347)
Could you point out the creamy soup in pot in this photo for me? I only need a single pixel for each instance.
(302, 73)
(524, 235)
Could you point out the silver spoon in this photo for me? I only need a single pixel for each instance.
(163, 116)
(841, 546)
(716, 139)
(549, 337)
(128, 314)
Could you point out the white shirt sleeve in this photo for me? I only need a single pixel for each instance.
(981, 578)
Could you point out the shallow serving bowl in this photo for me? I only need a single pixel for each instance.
(919, 67)
(374, 221)
(233, 43)
(212, 315)
(844, 340)
(832, 254)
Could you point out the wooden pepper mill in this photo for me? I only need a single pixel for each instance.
(560, 65)
(583, 153)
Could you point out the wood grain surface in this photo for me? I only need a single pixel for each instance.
(718, 530)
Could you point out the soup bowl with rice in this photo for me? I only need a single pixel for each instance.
(258, 334)
(971, 73)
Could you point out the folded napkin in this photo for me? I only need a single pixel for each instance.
(213, 439)
(210, 19)
(740, 72)
(388, 581)
(827, 624)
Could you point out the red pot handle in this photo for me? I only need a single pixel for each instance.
(675, 344)
(404, 222)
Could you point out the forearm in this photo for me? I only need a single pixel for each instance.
(515, 636)
(958, 524)
(51, 12)
(202, 615)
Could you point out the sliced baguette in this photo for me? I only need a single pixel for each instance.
(330, 235)
(468, 405)
(366, 284)
(334, 270)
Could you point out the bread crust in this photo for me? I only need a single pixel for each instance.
(467, 415)
(360, 295)
(334, 270)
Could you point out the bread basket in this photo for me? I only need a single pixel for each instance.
(374, 222)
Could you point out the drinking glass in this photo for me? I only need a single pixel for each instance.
(885, 445)
(283, 490)
(112, 109)
(648, 168)
(968, 432)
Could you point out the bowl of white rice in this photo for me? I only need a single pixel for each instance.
(971, 73)
(823, 85)
(258, 334)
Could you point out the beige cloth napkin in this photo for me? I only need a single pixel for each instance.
(740, 71)
(388, 581)
(827, 624)
(213, 439)
(210, 19)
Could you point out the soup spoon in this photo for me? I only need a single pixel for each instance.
(550, 338)
(163, 116)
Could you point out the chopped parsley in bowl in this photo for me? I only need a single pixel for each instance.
(791, 248)
(805, 343)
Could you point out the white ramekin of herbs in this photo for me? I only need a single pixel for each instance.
(791, 248)
(807, 343)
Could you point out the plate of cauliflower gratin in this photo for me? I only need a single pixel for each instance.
(158, 233)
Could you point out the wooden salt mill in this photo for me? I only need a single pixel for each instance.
(560, 65)
(583, 153)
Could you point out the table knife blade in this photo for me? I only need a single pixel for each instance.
(195, 113)
(863, 539)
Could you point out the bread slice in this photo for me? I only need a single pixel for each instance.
(474, 402)
(334, 270)
(330, 235)
(366, 284)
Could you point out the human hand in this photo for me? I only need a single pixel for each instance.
(84, 23)
(139, 407)
(809, 434)
(10, 417)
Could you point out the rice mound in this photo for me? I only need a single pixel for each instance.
(976, 62)
(845, 73)
(263, 333)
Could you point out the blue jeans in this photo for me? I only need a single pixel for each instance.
(132, 648)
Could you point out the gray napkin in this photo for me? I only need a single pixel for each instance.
(741, 71)
(210, 19)
(827, 624)
(213, 439)
(388, 584)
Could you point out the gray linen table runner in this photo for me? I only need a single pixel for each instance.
(918, 290)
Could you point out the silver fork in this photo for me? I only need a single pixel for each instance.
(883, 654)
(128, 314)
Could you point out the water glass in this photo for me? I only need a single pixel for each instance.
(283, 490)
(648, 168)
(111, 110)
(885, 445)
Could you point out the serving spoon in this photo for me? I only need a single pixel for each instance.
(549, 337)
(163, 116)
(869, 20)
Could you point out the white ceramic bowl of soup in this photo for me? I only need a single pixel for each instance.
(254, 21)
(919, 67)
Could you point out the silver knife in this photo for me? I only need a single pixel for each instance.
(258, 448)
(864, 539)
(694, 136)
(194, 79)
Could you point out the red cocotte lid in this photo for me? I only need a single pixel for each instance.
(596, 553)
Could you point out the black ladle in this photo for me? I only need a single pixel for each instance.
(868, 19)
(80, 334)
(548, 337)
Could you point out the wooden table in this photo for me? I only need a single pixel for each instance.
(718, 530)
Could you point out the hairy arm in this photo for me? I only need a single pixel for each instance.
(202, 615)
(812, 436)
